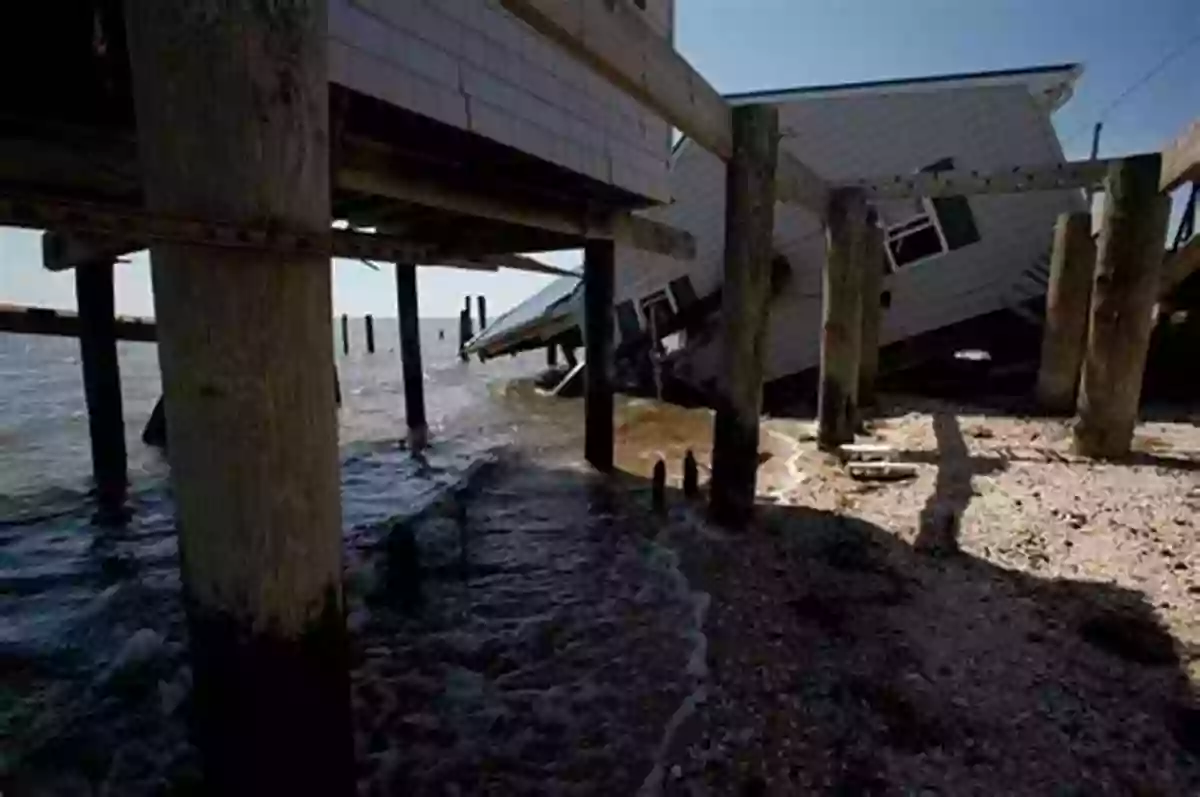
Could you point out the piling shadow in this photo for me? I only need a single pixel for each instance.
(846, 661)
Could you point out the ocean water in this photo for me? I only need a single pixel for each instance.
(545, 651)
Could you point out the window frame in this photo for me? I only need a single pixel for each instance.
(929, 215)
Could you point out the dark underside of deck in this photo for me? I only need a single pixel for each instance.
(67, 130)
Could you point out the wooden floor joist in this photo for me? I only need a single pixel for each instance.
(1181, 159)
(965, 182)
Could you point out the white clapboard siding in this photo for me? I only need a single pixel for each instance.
(471, 64)
(859, 134)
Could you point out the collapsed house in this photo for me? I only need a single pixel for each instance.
(960, 272)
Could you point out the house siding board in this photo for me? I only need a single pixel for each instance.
(871, 134)
(471, 64)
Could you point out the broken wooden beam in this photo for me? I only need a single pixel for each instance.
(1125, 288)
(745, 307)
(63, 323)
(967, 182)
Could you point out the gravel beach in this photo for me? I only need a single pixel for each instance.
(1011, 620)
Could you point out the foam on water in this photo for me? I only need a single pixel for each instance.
(554, 647)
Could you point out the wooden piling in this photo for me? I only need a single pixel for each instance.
(345, 334)
(410, 356)
(464, 333)
(552, 355)
(841, 309)
(482, 302)
(102, 387)
(369, 323)
(745, 303)
(658, 487)
(598, 277)
(233, 123)
(1068, 305)
(691, 475)
(1128, 261)
(874, 266)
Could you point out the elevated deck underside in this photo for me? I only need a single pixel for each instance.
(67, 130)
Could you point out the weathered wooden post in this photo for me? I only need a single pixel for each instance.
(749, 233)
(410, 356)
(872, 310)
(598, 276)
(1128, 261)
(233, 122)
(102, 387)
(658, 487)
(552, 355)
(482, 302)
(1068, 304)
(691, 475)
(345, 334)
(369, 322)
(841, 309)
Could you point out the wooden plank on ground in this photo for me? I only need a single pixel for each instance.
(63, 323)
(1181, 159)
(612, 38)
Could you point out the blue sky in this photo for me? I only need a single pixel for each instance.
(744, 45)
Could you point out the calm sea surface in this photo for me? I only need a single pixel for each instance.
(546, 648)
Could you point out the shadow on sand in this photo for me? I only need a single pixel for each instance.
(846, 661)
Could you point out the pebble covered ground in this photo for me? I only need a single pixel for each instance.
(1013, 620)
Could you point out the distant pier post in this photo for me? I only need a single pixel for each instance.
(369, 322)
(410, 356)
(598, 276)
(872, 311)
(1068, 304)
(1128, 261)
(552, 355)
(465, 333)
(482, 302)
(102, 386)
(345, 334)
(841, 310)
(233, 124)
(745, 301)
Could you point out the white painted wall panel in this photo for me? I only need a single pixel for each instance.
(874, 134)
(471, 64)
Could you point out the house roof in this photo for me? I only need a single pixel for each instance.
(1052, 84)
(533, 318)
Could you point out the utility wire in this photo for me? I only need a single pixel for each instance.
(1154, 72)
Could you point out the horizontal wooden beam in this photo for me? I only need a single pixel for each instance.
(613, 39)
(1181, 159)
(796, 183)
(635, 231)
(62, 251)
(495, 262)
(44, 321)
(961, 182)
